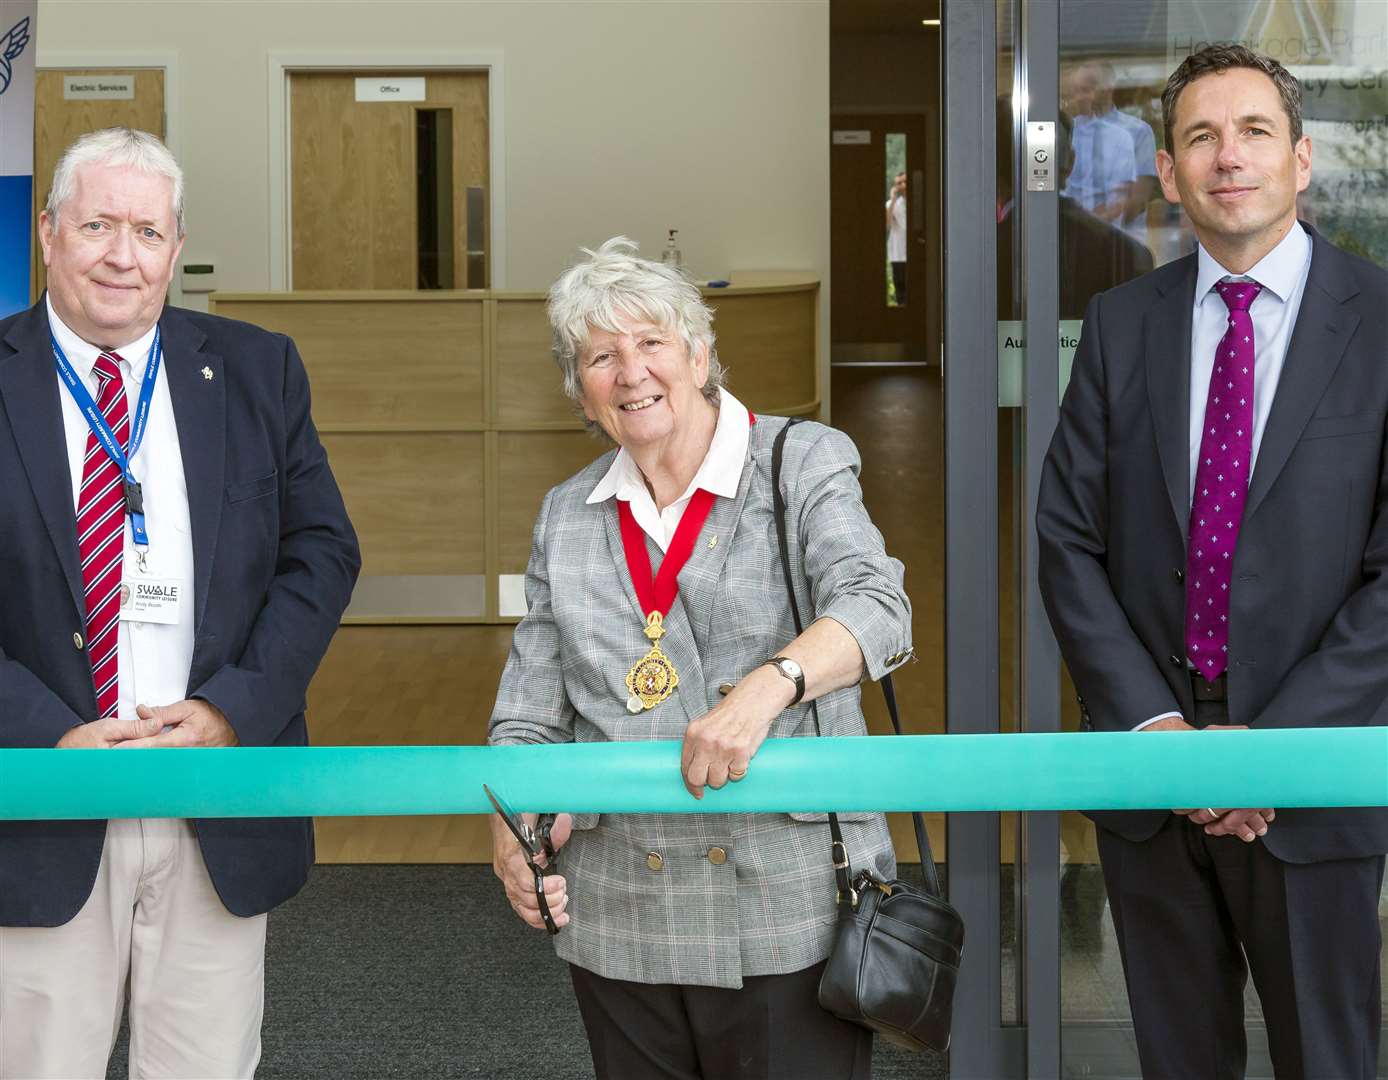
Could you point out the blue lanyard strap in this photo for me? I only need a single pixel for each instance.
(134, 502)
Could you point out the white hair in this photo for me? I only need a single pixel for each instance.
(121, 147)
(614, 281)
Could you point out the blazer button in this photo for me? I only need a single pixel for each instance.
(655, 861)
(725, 688)
(1178, 574)
(76, 641)
(717, 855)
(1175, 661)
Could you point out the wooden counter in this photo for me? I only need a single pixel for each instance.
(445, 423)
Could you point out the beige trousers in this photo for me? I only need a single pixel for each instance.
(153, 926)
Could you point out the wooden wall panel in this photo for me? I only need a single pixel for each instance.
(529, 463)
(446, 423)
(57, 122)
(377, 362)
(767, 344)
(528, 385)
(415, 500)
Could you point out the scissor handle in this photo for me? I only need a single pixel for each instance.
(550, 924)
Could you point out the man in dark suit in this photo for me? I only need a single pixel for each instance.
(176, 557)
(1213, 555)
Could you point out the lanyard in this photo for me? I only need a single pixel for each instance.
(656, 596)
(134, 502)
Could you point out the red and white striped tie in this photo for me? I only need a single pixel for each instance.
(101, 536)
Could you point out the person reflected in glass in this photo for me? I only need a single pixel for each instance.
(896, 237)
(695, 940)
(1094, 254)
(1115, 172)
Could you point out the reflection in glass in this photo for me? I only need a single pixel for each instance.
(896, 219)
(1095, 254)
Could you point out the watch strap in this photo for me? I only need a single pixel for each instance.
(778, 662)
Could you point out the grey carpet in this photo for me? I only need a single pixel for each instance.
(423, 972)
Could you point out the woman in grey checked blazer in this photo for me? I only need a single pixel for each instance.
(695, 940)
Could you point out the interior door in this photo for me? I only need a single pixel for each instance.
(878, 312)
(59, 118)
(411, 177)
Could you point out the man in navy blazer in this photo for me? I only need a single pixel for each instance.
(1213, 529)
(237, 531)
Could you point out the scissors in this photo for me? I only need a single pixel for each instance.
(535, 842)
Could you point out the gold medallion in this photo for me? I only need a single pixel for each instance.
(653, 678)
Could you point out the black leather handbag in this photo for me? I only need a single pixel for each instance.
(897, 946)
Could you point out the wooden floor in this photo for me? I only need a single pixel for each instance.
(435, 685)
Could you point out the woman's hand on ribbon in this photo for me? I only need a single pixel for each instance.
(719, 746)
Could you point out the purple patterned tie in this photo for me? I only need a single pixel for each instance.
(1221, 485)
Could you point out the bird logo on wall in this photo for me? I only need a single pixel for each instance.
(11, 46)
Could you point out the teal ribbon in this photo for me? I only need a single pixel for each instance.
(1091, 771)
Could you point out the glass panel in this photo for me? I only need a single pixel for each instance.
(434, 197)
(1011, 501)
(894, 146)
(1114, 225)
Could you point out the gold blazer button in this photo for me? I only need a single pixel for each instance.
(717, 856)
(655, 860)
(725, 688)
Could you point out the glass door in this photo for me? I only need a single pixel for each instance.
(1042, 992)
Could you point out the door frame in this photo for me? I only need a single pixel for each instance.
(116, 59)
(283, 63)
(984, 1047)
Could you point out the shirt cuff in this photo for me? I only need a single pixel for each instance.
(1163, 716)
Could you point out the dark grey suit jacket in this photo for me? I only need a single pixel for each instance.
(1308, 620)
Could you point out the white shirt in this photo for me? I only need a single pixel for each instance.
(719, 473)
(1282, 272)
(153, 660)
(896, 235)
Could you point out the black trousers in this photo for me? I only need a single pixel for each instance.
(771, 1029)
(1194, 914)
(899, 282)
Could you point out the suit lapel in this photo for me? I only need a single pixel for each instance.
(700, 576)
(1168, 384)
(199, 404)
(29, 389)
(1324, 326)
(613, 527)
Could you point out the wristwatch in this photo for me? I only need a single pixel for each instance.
(792, 670)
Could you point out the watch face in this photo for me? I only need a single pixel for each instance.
(791, 668)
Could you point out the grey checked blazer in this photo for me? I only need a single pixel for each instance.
(770, 908)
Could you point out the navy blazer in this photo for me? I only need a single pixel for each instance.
(1308, 617)
(274, 559)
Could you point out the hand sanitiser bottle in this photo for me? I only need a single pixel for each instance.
(671, 255)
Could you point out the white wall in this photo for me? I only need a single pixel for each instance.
(633, 117)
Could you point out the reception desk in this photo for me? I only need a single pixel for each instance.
(445, 423)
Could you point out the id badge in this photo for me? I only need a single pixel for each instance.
(151, 600)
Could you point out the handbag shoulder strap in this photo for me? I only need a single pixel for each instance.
(842, 869)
